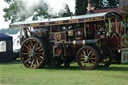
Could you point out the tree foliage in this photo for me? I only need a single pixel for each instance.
(81, 5)
(113, 3)
(17, 11)
(66, 12)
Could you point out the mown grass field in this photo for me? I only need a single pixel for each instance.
(15, 73)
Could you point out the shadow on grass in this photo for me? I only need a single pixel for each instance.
(62, 68)
(11, 62)
(97, 69)
(123, 67)
(113, 68)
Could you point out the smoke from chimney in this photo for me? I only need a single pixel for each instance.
(27, 7)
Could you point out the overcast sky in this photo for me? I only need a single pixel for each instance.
(3, 24)
(55, 4)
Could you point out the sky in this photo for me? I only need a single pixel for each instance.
(56, 5)
(3, 24)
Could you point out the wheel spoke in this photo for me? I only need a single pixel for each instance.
(91, 58)
(81, 55)
(36, 44)
(32, 63)
(89, 52)
(31, 43)
(41, 57)
(82, 58)
(84, 53)
(34, 47)
(92, 54)
(27, 60)
(39, 53)
(93, 61)
(25, 53)
(90, 63)
(27, 47)
(41, 49)
(37, 62)
(38, 48)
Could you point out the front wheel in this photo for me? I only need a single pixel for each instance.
(87, 58)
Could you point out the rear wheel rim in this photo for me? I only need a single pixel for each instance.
(32, 53)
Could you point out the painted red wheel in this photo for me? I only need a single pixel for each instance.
(87, 58)
(33, 53)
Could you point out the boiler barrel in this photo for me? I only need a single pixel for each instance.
(80, 43)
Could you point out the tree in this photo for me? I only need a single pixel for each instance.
(113, 3)
(99, 4)
(40, 13)
(19, 10)
(66, 12)
(81, 5)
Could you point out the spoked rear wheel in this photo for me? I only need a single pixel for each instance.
(87, 58)
(33, 53)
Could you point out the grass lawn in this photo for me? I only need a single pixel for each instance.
(15, 73)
